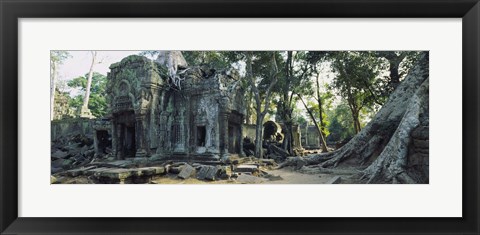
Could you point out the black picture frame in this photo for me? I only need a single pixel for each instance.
(11, 11)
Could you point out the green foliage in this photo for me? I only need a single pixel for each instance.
(356, 77)
(98, 96)
(340, 123)
(215, 59)
(58, 57)
(149, 54)
(299, 119)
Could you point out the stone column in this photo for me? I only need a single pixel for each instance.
(119, 143)
(114, 138)
(95, 141)
(140, 141)
(224, 134)
(242, 154)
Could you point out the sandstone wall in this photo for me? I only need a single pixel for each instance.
(68, 127)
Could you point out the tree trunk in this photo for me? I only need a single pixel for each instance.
(394, 76)
(89, 82)
(259, 136)
(355, 111)
(323, 142)
(248, 114)
(259, 113)
(53, 83)
(288, 138)
(356, 121)
(320, 111)
(385, 141)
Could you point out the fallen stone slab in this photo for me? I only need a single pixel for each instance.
(151, 171)
(175, 169)
(78, 171)
(58, 163)
(224, 172)
(59, 154)
(207, 172)
(246, 168)
(115, 174)
(249, 179)
(335, 180)
(186, 172)
(114, 164)
(56, 170)
(67, 164)
(94, 171)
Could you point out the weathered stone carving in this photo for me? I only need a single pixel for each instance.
(150, 114)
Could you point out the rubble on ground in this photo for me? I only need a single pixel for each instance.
(74, 161)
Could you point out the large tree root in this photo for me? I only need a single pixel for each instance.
(384, 142)
(392, 161)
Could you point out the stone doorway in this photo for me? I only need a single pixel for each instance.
(127, 135)
(234, 138)
(103, 141)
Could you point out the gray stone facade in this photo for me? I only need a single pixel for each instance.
(199, 119)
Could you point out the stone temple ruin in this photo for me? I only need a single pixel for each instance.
(187, 122)
(197, 115)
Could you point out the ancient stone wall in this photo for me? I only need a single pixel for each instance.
(196, 114)
(74, 126)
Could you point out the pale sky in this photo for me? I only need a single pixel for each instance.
(79, 63)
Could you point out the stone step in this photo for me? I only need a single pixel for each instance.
(246, 168)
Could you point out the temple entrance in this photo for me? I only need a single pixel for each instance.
(233, 138)
(103, 141)
(127, 143)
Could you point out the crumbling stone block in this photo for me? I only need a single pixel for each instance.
(60, 154)
(186, 172)
(247, 168)
(224, 172)
(207, 172)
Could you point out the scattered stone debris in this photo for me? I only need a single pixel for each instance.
(70, 152)
(74, 161)
(207, 172)
(247, 168)
(53, 179)
(187, 172)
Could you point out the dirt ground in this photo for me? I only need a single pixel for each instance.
(280, 176)
(287, 175)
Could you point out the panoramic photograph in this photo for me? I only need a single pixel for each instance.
(239, 117)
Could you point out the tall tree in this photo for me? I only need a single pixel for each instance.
(97, 103)
(355, 77)
(385, 143)
(394, 60)
(56, 59)
(323, 141)
(215, 59)
(266, 72)
(293, 74)
(84, 111)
